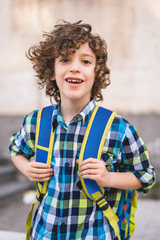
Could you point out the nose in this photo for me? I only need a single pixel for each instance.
(75, 66)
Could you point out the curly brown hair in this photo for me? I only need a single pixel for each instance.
(63, 41)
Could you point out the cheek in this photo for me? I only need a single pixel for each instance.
(93, 77)
(58, 74)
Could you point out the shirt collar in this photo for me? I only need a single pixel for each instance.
(86, 112)
(83, 116)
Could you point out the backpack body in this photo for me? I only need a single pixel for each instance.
(122, 220)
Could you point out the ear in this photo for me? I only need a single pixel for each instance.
(52, 78)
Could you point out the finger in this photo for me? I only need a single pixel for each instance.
(89, 166)
(45, 179)
(89, 160)
(39, 176)
(89, 176)
(88, 172)
(40, 165)
(40, 170)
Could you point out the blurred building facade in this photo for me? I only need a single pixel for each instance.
(131, 30)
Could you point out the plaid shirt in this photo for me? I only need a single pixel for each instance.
(65, 211)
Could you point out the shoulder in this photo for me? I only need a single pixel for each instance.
(124, 128)
(129, 132)
(121, 120)
(120, 123)
(31, 118)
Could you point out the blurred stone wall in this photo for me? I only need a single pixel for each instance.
(131, 29)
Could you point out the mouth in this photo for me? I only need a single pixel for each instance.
(74, 80)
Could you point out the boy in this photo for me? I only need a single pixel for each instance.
(71, 64)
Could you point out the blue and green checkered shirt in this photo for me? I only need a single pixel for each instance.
(65, 212)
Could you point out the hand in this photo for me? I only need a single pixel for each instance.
(94, 169)
(39, 172)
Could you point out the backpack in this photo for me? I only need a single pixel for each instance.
(123, 221)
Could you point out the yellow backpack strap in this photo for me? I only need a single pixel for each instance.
(92, 146)
(44, 143)
(108, 212)
(43, 153)
(29, 220)
(133, 209)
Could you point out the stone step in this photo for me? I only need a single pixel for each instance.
(6, 235)
(7, 173)
(12, 189)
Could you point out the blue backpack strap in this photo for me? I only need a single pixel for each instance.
(44, 142)
(95, 136)
(92, 146)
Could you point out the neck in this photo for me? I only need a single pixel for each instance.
(69, 109)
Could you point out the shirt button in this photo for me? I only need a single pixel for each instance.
(76, 118)
(63, 225)
(69, 137)
(66, 194)
(67, 164)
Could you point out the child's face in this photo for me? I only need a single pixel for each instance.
(75, 74)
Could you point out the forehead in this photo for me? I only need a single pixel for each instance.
(82, 50)
(85, 50)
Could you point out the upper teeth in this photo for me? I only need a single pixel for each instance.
(74, 80)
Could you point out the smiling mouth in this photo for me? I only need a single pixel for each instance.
(74, 80)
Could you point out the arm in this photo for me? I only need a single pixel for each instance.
(35, 171)
(96, 170)
(137, 172)
(23, 145)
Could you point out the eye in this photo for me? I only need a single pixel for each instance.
(85, 61)
(64, 60)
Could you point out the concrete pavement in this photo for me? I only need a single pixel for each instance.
(7, 235)
(147, 220)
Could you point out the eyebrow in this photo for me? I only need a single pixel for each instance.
(87, 55)
(83, 55)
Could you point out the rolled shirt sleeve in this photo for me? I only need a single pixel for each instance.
(23, 143)
(135, 158)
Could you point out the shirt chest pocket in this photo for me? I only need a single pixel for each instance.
(108, 160)
(78, 185)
